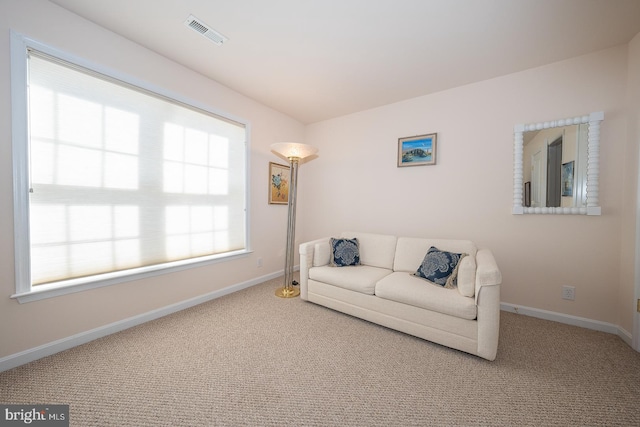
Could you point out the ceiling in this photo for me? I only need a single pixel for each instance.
(318, 59)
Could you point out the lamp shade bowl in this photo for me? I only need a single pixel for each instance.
(293, 150)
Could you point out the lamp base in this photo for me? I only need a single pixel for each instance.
(289, 292)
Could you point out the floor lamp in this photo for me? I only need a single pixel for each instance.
(294, 152)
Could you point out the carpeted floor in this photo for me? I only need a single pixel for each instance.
(253, 359)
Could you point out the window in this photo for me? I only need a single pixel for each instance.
(116, 181)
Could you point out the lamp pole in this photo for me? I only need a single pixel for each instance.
(294, 152)
(288, 290)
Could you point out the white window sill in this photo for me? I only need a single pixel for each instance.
(40, 292)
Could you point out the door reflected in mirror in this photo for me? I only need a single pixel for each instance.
(555, 165)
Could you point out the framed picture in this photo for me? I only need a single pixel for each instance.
(567, 179)
(417, 150)
(278, 184)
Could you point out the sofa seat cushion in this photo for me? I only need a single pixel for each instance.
(406, 288)
(359, 278)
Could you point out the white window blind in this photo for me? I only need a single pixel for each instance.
(122, 178)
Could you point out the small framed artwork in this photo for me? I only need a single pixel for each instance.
(417, 150)
(278, 184)
(567, 179)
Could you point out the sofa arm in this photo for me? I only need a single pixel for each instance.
(488, 280)
(488, 303)
(487, 271)
(307, 253)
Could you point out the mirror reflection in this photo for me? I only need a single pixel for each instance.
(555, 166)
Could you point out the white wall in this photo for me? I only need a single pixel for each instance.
(630, 261)
(355, 184)
(25, 326)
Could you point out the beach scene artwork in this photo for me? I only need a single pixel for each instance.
(417, 150)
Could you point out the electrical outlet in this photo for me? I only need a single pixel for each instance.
(259, 262)
(569, 293)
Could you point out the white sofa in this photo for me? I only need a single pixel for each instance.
(384, 290)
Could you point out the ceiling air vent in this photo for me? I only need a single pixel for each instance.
(197, 25)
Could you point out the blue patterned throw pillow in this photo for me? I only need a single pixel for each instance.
(344, 252)
(440, 267)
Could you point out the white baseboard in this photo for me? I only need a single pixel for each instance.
(23, 357)
(569, 320)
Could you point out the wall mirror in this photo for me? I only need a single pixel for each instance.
(556, 166)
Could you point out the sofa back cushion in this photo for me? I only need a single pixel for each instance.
(376, 250)
(410, 252)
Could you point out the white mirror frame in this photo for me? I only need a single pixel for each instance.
(593, 166)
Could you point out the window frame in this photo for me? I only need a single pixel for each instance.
(21, 183)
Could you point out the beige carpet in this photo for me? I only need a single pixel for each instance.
(252, 359)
